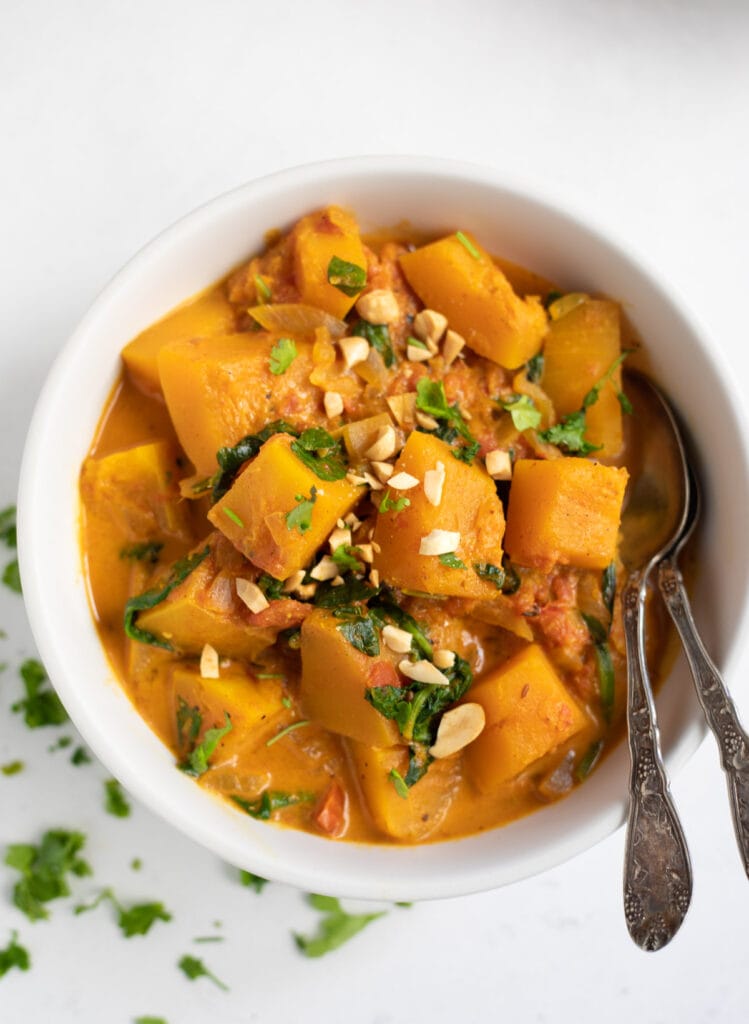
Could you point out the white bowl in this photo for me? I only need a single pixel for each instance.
(438, 196)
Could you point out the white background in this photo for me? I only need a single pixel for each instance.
(117, 118)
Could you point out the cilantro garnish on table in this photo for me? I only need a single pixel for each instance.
(44, 870)
(336, 926)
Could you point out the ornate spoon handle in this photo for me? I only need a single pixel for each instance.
(719, 709)
(657, 871)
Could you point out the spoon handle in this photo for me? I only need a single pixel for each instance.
(716, 702)
(657, 871)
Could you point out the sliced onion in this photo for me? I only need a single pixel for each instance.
(296, 318)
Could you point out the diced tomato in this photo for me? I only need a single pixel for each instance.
(331, 813)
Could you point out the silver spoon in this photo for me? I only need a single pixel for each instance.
(716, 702)
(657, 871)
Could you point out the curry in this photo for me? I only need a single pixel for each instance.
(350, 527)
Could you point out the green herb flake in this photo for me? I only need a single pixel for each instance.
(41, 706)
(262, 290)
(525, 415)
(417, 343)
(43, 870)
(282, 355)
(232, 515)
(451, 560)
(300, 517)
(431, 399)
(136, 864)
(378, 336)
(135, 920)
(12, 768)
(492, 573)
(149, 1020)
(589, 760)
(12, 577)
(62, 744)
(8, 534)
(389, 504)
(193, 968)
(252, 881)
(269, 801)
(534, 368)
(14, 955)
(592, 396)
(336, 926)
(150, 598)
(348, 278)
(80, 756)
(398, 783)
(468, 245)
(147, 551)
(286, 701)
(196, 762)
(570, 435)
(115, 801)
(604, 664)
(270, 586)
(345, 558)
(363, 635)
(320, 452)
(285, 732)
(608, 587)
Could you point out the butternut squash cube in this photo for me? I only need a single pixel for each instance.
(252, 514)
(201, 317)
(335, 677)
(412, 818)
(579, 348)
(217, 389)
(317, 238)
(253, 705)
(469, 506)
(477, 299)
(564, 511)
(205, 609)
(528, 713)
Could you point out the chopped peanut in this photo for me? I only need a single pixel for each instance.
(333, 403)
(403, 482)
(499, 464)
(417, 354)
(384, 446)
(209, 663)
(459, 727)
(354, 350)
(379, 306)
(402, 407)
(443, 658)
(398, 640)
(251, 595)
(426, 421)
(439, 542)
(429, 326)
(326, 569)
(454, 345)
(383, 471)
(423, 672)
(434, 481)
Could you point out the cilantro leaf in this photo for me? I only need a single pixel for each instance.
(80, 756)
(525, 415)
(189, 722)
(135, 920)
(41, 706)
(451, 560)
(300, 517)
(270, 586)
(431, 399)
(194, 968)
(14, 955)
(269, 801)
(12, 577)
(282, 355)
(336, 927)
(362, 634)
(115, 801)
(321, 453)
(231, 459)
(252, 881)
(12, 768)
(44, 868)
(570, 434)
(8, 527)
(348, 278)
(389, 504)
(344, 556)
(592, 396)
(150, 598)
(196, 763)
(378, 337)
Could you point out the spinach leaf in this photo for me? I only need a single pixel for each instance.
(146, 551)
(378, 337)
(348, 278)
(270, 586)
(493, 573)
(362, 634)
(196, 762)
(387, 606)
(321, 453)
(336, 926)
(350, 592)
(230, 460)
(180, 571)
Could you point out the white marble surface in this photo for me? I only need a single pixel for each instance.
(117, 118)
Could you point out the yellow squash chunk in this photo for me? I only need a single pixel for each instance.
(477, 299)
(265, 493)
(528, 713)
(205, 609)
(579, 348)
(335, 677)
(469, 506)
(317, 238)
(564, 511)
(220, 389)
(254, 707)
(416, 816)
(203, 317)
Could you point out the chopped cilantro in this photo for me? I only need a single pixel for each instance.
(389, 504)
(378, 337)
(251, 881)
(269, 801)
(14, 955)
(136, 864)
(150, 598)
(80, 756)
(321, 453)
(399, 783)
(336, 926)
(135, 920)
(300, 518)
(8, 534)
(285, 732)
(62, 744)
(12, 768)
(41, 706)
(147, 551)
(468, 245)
(570, 434)
(351, 591)
(262, 290)
(431, 399)
(282, 355)
(348, 278)
(525, 415)
(534, 368)
(344, 556)
(231, 514)
(231, 459)
(592, 396)
(12, 576)
(43, 869)
(115, 801)
(270, 586)
(451, 560)
(363, 635)
(149, 1020)
(490, 572)
(196, 762)
(193, 968)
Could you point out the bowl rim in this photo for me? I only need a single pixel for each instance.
(314, 875)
